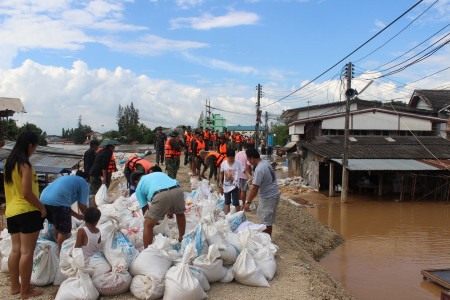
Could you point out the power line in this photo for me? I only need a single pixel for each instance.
(398, 33)
(326, 71)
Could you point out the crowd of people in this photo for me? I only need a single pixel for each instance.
(234, 162)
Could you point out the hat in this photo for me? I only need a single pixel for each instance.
(202, 151)
(173, 134)
(159, 128)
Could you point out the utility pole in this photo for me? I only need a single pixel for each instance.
(266, 129)
(258, 116)
(349, 93)
(208, 114)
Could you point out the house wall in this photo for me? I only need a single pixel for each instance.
(378, 121)
(423, 105)
(324, 111)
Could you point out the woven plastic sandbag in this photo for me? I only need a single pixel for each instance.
(147, 287)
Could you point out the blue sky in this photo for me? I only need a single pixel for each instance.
(67, 58)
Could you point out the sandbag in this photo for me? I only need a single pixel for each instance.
(266, 262)
(213, 236)
(113, 283)
(147, 287)
(47, 232)
(45, 263)
(79, 285)
(151, 261)
(64, 254)
(197, 238)
(211, 265)
(201, 278)
(5, 243)
(229, 254)
(229, 275)
(99, 264)
(180, 282)
(102, 196)
(4, 268)
(236, 219)
(118, 250)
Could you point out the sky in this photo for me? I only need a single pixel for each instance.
(65, 58)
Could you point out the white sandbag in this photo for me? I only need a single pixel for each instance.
(162, 227)
(201, 278)
(105, 229)
(151, 261)
(45, 263)
(118, 250)
(102, 196)
(64, 263)
(245, 269)
(229, 254)
(181, 283)
(197, 238)
(5, 243)
(113, 283)
(59, 277)
(266, 262)
(47, 232)
(210, 264)
(4, 268)
(79, 285)
(248, 224)
(99, 264)
(147, 287)
(236, 219)
(229, 276)
(213, 236)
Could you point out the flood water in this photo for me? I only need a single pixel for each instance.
(387, 244)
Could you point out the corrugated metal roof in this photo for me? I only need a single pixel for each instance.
(13, 104)
(288, 146)
(386, 165)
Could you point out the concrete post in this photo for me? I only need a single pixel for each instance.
(331, 185)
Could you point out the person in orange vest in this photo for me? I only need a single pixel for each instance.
(136, 163)
(222, 145)
(199, 145)
(207, 138)
(186, 141)
(239, 140)
(173, 152)
(192, 144)
(213, 160)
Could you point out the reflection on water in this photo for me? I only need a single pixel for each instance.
(387, 245)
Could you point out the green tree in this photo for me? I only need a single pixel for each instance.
(33, 128)
(79, 134)
(128, 121)
(9, 129)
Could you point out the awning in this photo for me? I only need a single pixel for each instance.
(289, 146)
(387, 165)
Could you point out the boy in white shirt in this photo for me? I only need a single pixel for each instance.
(229, 180)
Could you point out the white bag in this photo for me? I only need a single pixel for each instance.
(102, 196)
(228, 277)
(118, 250)
(181, 283)
(201, 278)
(64, 254)
(229, 254)
(5, 243)
(266, 262)
(197, 238)
(113, 283)
(236, 219)
(79, 285)
(245, 269)
(99, 264)
(45, 263)
(211, 265)
(151, 261)
(147, 287)
(4, 268)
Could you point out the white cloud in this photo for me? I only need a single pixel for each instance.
(220, 64)
(185, 4)
(208, 21)
(54, 97)
(379, 24)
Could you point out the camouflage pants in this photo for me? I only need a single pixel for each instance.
(172, 165)
(159, 155)
(186, 156)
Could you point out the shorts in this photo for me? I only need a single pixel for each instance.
(267, 210)
(96, 183)
(243, 185)
(60, 217)
(163, 202)
(233, 195)
(29, 222)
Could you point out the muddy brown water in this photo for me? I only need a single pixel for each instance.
(387, 244)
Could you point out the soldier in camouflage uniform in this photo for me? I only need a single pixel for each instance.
(173, 152)
(159, 143)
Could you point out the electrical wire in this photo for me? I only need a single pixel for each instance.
(348, 55)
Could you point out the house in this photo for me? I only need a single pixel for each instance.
(245, 130)
(217, 122)
(94, 136)
(393, 142)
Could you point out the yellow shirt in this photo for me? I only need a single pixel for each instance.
(16, 203)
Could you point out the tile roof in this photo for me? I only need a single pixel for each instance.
(403, 147)
(437, 99)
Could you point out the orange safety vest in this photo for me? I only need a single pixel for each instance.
(219, 158)
(207, 135)
(226, 135)
(251, 141)
(200, 145)
(190, 143)
(239, 139)
(135, 160)
(171, 152)
(223, 149)
(214, 137)
(233, 138)
(188, 139)
(112, 163)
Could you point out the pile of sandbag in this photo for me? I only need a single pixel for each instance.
(215, 248)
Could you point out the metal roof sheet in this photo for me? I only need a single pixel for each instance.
(387, 165)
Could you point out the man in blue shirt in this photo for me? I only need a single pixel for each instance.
(58, 198)
(158, 194)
